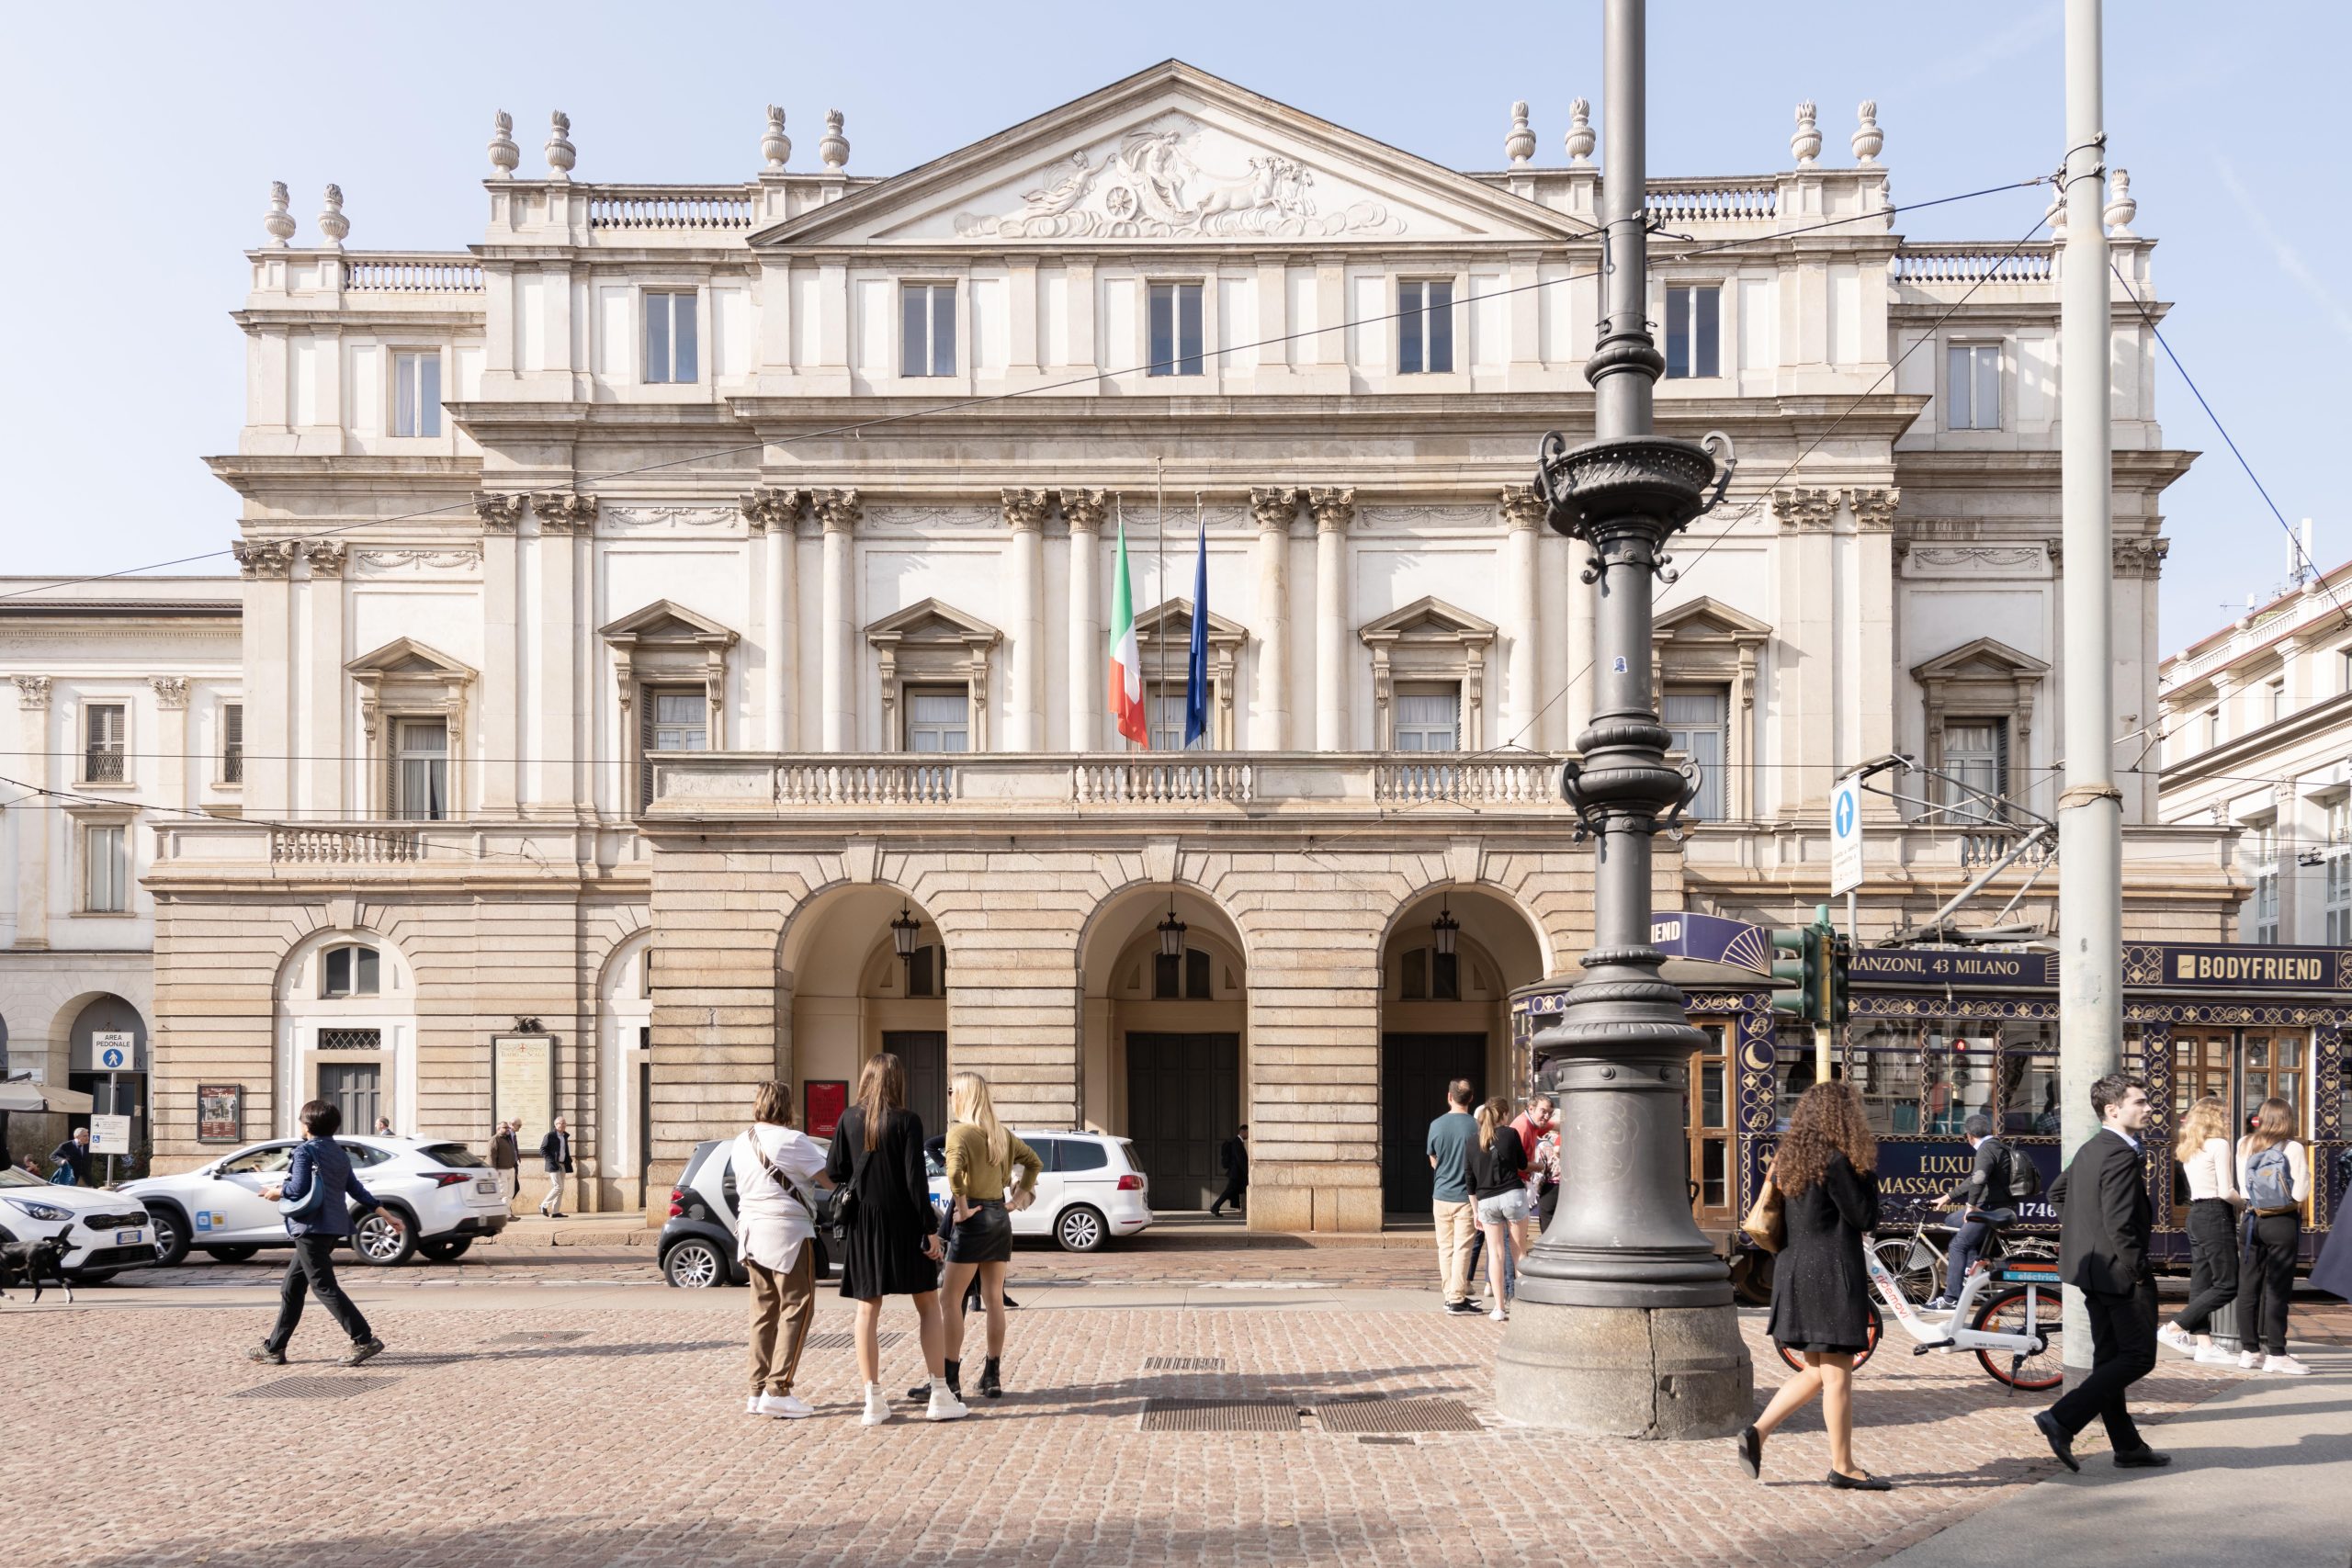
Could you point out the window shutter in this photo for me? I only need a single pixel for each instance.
(2001, 759)
(645, 718)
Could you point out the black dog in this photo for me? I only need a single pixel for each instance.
(31, 1262)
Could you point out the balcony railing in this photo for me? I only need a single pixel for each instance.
(1972, 264)
(1713, 201)
(410, 274)
(669, 206)
(346, 846)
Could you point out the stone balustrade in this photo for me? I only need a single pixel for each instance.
(392, 272)
(1971, 263)
(346, 846)
(669, 207)
(1713, 201)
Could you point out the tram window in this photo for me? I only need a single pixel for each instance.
(1793, 1067)
(2030, 1092)
(1958, 1081)
(1889, 1082)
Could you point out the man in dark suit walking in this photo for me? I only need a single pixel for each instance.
(1233, 1159)
(2104, 1217)
(555, 1151)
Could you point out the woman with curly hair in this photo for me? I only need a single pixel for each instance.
(1826, 1171)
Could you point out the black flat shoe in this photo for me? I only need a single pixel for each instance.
(2059, 1443)
(1864, 1483)
(920, 1393)
(1751, 1454)
(2142, 1459)
(991, 1386)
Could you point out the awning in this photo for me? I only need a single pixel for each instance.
(23, 1094)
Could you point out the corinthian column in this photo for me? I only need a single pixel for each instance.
(1024, 513)
(1273, 509)
(776, 514)
(1333, 509)
(1522, 509)
(1084, 510)
(838, 511)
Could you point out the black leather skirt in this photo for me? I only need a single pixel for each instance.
(985, 1235)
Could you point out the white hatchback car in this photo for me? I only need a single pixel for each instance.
(107, 1228)
(438, 1198)
(1093, 1189)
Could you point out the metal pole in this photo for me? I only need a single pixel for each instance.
(2090, 812)
(1151, 698)
(114, 1108)
(1624, 1324)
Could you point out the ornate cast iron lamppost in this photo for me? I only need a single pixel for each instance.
(1624, 1324)
(903, 931)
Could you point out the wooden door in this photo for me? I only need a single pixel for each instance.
(1414, 1071)
(923, 1053)
(2201, 1065)
(1183, 1102)
(1706, 1113)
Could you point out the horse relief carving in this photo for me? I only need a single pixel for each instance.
(1152, 188)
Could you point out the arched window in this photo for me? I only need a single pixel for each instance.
(1188, 983)
(350, 971)
(927, 971)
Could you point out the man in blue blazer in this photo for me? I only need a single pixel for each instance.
(320, 1172)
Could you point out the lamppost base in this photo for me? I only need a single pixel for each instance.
(1662, 1374)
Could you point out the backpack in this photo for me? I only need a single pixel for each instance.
(2025, 1177)
(2269, 1181)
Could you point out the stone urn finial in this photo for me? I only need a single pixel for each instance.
(561, 154)
(1868, 137)
(2055, 215)
(834, 148)
(279, 220)
(1807, 142)
(1581, 137)
(775, 146)
(1520, 145)
(331, 222)
(2121, 205)
(504, 153)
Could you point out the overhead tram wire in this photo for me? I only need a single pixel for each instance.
(961, 404)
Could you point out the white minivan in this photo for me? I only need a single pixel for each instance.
(1093, 1189)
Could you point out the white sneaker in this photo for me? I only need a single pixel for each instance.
(944, 1406)
(2215, 1356)
(2173, 1337)
(2249, 1361)
(1499, 1315)
(878, 1406)
(790, 1406)
(752, 1405)
(2287, 1364)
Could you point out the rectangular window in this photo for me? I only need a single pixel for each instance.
(927, 329)
(2262, 865)
(416, 393)
(421, 770)
(939, 718)
(1973, 386)
(1425, 327)
(103, 730)
(1167, 709)
(233, 743)
(352, 972)
(669, 336)
(1976, 757)
(1175, 330)
(672, 718)
(106, 883)
(1696, 718)
(2212, 727)
(2274, 701)
(1695, 333)
(1429, 718)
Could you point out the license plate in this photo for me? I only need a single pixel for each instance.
(485, 1184)
(128, 1238)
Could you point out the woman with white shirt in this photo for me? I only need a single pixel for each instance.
(2201, 1145)
(2275, 1174)
(774, 1166)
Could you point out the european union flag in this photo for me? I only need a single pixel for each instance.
(1196, 669)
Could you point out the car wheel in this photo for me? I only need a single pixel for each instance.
(443, 1248)
(384, 1239)
(171, 1236)
(1080, 1229)
(232, 1254)
(694, 1265)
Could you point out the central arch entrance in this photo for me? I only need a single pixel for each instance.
(1167, 1063)
(854, 994)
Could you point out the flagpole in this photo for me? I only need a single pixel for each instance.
(1159, 581)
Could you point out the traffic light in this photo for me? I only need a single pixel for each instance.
(1796, 971)
(1841, 960)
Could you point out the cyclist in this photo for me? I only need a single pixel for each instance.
(1984, 1198)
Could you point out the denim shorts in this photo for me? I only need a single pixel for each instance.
(1509, 1208)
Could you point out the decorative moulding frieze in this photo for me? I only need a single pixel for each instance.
(171, 691)
(637, 519)
(32, 691)
(387, 563)
(924, 518)
(1404, 518)
(1973, 560)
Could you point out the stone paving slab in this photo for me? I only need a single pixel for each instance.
(629, 1445)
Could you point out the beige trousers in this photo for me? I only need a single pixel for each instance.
(1457, 1224)
(784, 1306)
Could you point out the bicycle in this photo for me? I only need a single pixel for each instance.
(1918, 1263)
(2014, 1305)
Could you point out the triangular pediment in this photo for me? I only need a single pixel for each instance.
(1704, 619)
(932, 621)
(405, 658)
(1985, 659)
(1173, 153)
(1429, 620)
(1176, 615)
(663, 621)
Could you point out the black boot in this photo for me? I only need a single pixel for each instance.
(989, 1387)
(956, 1379)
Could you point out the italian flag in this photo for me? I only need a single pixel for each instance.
(1126, 667)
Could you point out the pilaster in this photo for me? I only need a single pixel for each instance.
(35, 827)
(838, 511)
(319, 740)
(269, 657)
(1333, 509)
(173, 785)
(1085, 510)
(775, 515)
(1806, 651)
(1872, 605)
(500, 515)
(1024, 514)
(1275, 508)
(1522, 509)
(567, 526)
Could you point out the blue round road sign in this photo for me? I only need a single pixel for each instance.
(1845, 814)
(112, 1056)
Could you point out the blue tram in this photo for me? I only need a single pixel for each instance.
(1940, 1034)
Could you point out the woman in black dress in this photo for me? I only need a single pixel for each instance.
(1826, 1169)
(892, 1247)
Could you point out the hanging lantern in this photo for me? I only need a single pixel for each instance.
(1441, 931)
(903, 931)
(1171, 934)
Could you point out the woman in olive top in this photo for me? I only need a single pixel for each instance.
(990, 1173)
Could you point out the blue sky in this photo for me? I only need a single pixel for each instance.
(145, 139)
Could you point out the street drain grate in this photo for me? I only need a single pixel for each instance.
(1183, 1363)
(1219, 1416)
(314, 1388)
(541, 1336)
(1397, 1415)
(837, 1340)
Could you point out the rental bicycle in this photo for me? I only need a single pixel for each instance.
(1918, 1261)
(2010, 1307)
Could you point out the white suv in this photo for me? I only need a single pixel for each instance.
(105, 1229)
(1093, 1189)
(437, 1198)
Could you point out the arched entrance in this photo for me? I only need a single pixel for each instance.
(1166, 1061)
(852, 992)
(625, 1050)
(346, 1024)
(1447, 970)
(107, 1060)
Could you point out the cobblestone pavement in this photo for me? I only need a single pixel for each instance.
(616, 1434)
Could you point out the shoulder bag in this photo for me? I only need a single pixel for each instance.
(845, 1196)
(1766, 1224)
(311, 1206)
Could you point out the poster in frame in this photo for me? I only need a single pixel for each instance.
(220, 1113)
(826, 1100)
